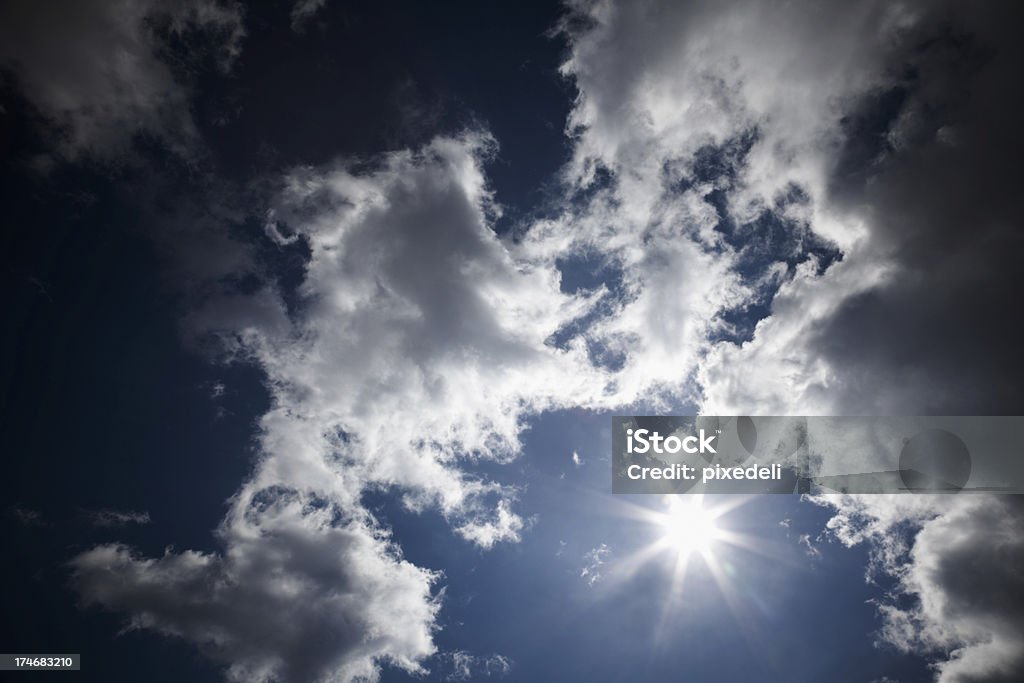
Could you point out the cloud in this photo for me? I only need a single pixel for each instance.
(959, 592)
(299, 595)
(696, 163)
(115, 518)
(217, 390)
(97, 70)
(809, 548)
(303, 11)
(27, 517)
(468, 667)
(594, 560)
(720, 120)
(422, 337)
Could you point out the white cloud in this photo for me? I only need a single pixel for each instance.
(94, 69)
(594, 559)
(809, 548)
(422, 338)
(659, 81)
(469, 667)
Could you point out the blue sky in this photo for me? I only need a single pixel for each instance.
(318, 314)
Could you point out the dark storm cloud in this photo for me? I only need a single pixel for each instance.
(942, 194)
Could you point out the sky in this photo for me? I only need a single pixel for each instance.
(317, 314)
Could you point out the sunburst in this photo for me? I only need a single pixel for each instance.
(689, 526)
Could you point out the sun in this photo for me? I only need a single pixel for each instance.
(689, 526)
(688, 532)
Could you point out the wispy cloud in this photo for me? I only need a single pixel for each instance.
(303, 12)
(27, 517)
(98, 71)
(115, 518)
(593, 561)
(809, 548)
(469, 667)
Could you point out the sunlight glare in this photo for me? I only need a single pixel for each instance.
(689, 526)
